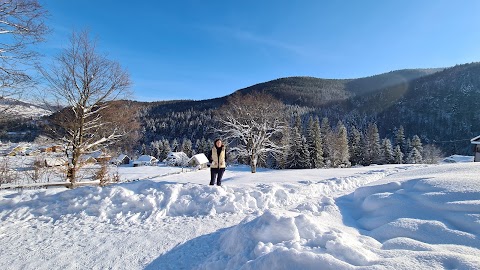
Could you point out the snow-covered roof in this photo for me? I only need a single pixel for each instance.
(177, 155)
(475, 140)
(200, 158)
(121, 157)
(146, 158)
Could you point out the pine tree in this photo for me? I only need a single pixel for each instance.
(372, 145)
(304, 155)
(316, 145)
(416, 151)
(400, 139)
(187, 147)
(282, 157)
(203, 146)
(387, 151)
(165, 150)
(295, 158)
(398, 155)
(342, 155)
(415, 157)
(355, 142)
(417, 143)
(326, 134)
(175, 145)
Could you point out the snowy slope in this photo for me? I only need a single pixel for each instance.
(377, 217)
(17, 108)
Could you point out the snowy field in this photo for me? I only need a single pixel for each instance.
(376, 217)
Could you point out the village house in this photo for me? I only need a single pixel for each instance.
(145, 160)
(200, 161)
(122, 159)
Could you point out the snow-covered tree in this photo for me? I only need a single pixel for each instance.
(341, 155)
(281, 157)
(175, 145)
(299, 157)
(400, 139)
(164, 150)
(415, 157)
(417, 143)
(416, 151)
(387, 151)
(315, 144)
(326, 135)
(86, 82)
(372, 151)
(187, 147)
(397, 155)
(355, 143)
(203, 146)
(252, 124)
(431, 154)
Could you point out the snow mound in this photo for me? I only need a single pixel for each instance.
(284, 241)
(438, 208)
(147, 201)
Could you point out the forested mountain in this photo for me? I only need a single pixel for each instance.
(439, 105)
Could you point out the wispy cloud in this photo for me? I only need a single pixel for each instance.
(251, 37)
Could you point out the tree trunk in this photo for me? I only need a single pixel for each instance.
(253, 163)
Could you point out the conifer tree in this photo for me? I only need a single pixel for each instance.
(165, 150)
(315, 145)
(417, 143)
(295, 158)
(398, 155)
(187, 147)
(175, 145)
(326, 134)
(282, 157)
(304, 155)
(341, 157)
(415, 157)
(372, 145)
(355, 141)
(387, 151)
(400, 139)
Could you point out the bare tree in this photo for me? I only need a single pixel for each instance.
(86, 81)
(21, 26)
(253, 125)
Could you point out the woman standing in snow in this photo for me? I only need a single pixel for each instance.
(217, 158)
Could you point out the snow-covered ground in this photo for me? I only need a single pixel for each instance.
(377, 217)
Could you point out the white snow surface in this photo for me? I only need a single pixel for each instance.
(376, 217)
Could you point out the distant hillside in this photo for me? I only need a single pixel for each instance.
(19, 109)
(439, 105)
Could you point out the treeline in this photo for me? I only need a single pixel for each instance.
(318, 144)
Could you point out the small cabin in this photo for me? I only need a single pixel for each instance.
(476, 148)
(199, 161)
(145, 160)
(121, 160)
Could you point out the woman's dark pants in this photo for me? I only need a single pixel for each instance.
(216, 173)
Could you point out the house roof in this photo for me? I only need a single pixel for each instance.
(146, 158)
(475, 140)
(200, 158)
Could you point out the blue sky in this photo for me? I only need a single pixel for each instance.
(206, 49)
